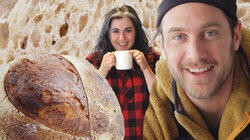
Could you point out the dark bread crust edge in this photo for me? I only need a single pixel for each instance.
(15, 125)
(114, 129)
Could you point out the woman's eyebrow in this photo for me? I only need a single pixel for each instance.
(114, 28)
(129, 28)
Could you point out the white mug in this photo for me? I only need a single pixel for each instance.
(124, 60)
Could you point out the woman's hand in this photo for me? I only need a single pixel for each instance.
(140, 59)
(108, 62)
(143, 63)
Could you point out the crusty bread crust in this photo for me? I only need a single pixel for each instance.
(54, 97)
(48, 89)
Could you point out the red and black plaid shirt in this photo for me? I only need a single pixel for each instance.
(132, 93)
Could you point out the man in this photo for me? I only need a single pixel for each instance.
(202, 87)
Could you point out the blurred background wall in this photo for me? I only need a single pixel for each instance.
(69, 27)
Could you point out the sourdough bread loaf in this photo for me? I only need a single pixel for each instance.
(63, 27)
(57, 97)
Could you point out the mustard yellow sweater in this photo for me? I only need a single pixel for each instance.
(159, 122)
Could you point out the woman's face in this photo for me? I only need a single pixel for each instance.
(122, 34)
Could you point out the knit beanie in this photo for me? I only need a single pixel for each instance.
(229, 7)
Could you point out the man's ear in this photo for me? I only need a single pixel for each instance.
(237, 36)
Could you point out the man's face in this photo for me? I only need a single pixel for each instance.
(199, 48)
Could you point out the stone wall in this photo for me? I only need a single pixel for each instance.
(68, 27)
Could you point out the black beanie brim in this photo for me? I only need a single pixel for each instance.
(229, 7)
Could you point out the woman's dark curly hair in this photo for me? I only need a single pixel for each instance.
(141, 42)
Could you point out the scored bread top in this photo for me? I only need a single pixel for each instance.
(57, 97)
(48, 89)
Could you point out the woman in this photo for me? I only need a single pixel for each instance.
(122, 30)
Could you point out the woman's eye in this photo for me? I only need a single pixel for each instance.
(115, 31)
(129, 30)
(210, 34)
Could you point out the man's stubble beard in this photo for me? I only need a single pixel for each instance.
(205, 93)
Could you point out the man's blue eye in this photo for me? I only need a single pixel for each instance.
(210, 34)
(178, 37)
